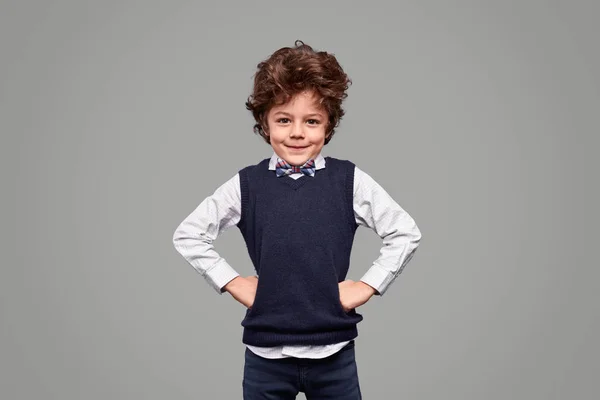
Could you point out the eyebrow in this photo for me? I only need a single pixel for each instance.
(308, 115)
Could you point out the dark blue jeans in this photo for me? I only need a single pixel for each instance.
(333, 377)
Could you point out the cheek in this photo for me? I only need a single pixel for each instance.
(318, 138)
(278, 139)
(275, 133)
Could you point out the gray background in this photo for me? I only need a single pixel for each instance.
(479, 118)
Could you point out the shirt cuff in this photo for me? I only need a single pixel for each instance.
(378, 278)
(220, 275)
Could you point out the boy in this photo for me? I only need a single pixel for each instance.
(298, 212)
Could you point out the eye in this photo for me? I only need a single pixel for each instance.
(313, 121)
(283, 120)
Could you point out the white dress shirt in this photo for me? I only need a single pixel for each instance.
(374, 208)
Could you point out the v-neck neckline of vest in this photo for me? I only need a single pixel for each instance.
(297, 183)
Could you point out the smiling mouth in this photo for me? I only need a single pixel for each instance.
(297, 147)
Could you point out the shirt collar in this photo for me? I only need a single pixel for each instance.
(319, 161)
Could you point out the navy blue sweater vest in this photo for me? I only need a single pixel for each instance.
(299, 234)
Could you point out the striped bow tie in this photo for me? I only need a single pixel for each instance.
(283, 168)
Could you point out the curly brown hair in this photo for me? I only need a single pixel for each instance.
(293, 70)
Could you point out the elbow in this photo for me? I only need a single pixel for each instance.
(188, 235)
(178, 236)
(416, 234)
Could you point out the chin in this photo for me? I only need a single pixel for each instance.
(296, 159)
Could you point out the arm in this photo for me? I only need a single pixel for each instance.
(194, 237)
(374, 208)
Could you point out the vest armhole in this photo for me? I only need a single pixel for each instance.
(244, 196)
(350, 170)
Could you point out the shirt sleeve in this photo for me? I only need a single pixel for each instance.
(194, 237)
(374, 208)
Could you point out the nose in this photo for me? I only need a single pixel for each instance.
(297, 130)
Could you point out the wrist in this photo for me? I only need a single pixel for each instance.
(368, 288)
(232, 284)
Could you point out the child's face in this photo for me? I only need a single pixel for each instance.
(297, 128)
